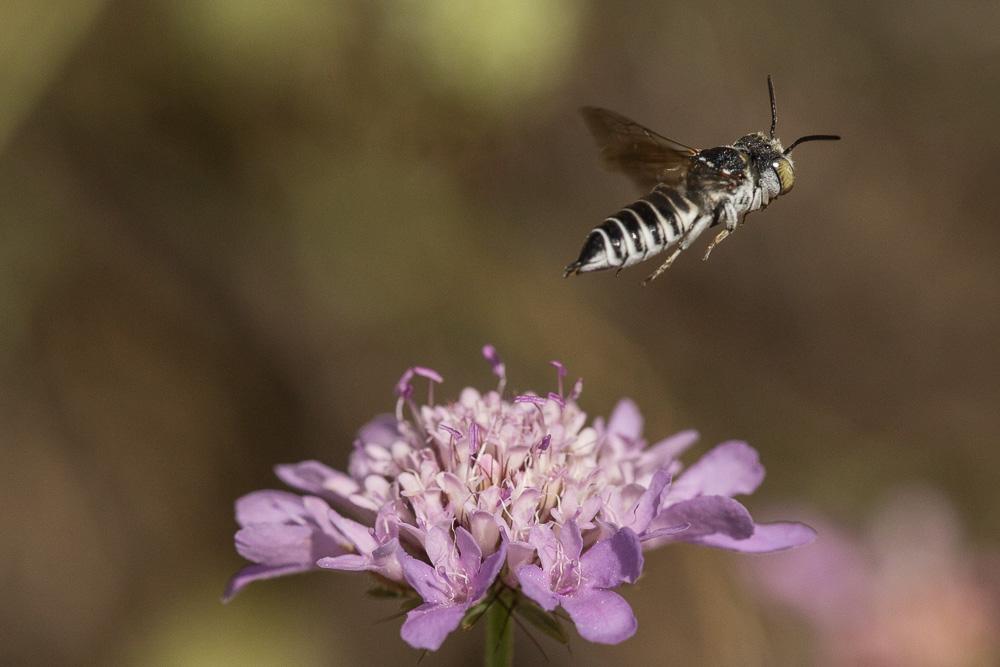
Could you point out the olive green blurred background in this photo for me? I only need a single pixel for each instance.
(227, 227)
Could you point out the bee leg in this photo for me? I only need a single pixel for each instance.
(699, 226)
(719, 238)
(726, 214)
(663, 267)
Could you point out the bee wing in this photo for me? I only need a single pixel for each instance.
(644, 156)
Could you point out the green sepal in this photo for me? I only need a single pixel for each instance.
(475, 613)
(384, 593)
(545, 622)
(409, 604)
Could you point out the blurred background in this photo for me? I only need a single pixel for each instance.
(229, 226)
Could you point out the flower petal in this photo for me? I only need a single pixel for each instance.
(348, 562)
(319, 512)
(571, 539)
(626, 420)
(518, 554)
(459, 495)
(440, 547)
(484, 528)
(383, 430)
(730, 469)
(650, 501)
(766, 537)
(269, 506)
(276, 544)
(488, 573)
(428, 625)
(252, 573)
(315, 477)
(535, 584)
(706, 515)
(668, 449)
(469, 555)
(601, 616)
(357, 534)
(613, 560)
(544, 540)
(424, 580)
(385, 560)
(522, 510)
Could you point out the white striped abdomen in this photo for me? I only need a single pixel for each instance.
(637, 232)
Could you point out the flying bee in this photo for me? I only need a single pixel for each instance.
(692, 189)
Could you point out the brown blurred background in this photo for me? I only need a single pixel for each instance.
(228, 226)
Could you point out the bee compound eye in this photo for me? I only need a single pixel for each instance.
(786, 175)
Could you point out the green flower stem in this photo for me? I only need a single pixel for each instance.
(499, 649)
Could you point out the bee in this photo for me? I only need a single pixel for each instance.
(692, 189)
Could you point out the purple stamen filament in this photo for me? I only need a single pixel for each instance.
(560, 374)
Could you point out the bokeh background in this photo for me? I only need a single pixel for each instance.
(227, 227)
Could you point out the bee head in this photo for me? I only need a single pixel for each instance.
(772, 162)
(769, 161)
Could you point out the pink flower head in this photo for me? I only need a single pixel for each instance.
(907, 591)
(459, 502)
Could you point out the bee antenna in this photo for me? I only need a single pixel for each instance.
(774, 107)
(811, 137)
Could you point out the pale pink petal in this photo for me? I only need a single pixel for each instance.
(601, 616)
(571, 539)
(319, 512)
(766, 537)
(649, 503)
(626, 421)
(269, 507)
(276, 544)
(730, 469)
(469, 554)
(488, 572)
(358, 534)
(383, 430)
(428, 625)
(252, 573)
(542, 538)
(484, 528)
(613, 560)
(535, 584)
(424, 580)
(667, 450)
(386, 560)
(349, 562)
(318, 478)
(438, 544)
(518, 554)
(705, 515)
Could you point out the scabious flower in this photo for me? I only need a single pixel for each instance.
(492, 498)
(908, 591)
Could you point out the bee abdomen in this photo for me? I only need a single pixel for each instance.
(636, 232)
